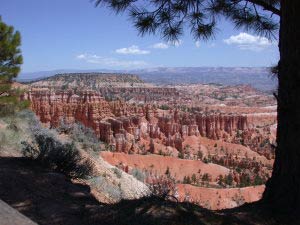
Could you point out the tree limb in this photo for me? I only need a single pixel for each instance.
(266, 6)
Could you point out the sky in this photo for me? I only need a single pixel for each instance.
(73, 34)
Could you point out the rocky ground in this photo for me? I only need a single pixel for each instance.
(9, 215)
(51, 198)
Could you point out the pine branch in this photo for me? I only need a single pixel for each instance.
(266, 6)
(168, 17)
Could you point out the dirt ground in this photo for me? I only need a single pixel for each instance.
(50, 198)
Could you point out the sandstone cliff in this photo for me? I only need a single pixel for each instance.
(122, 125)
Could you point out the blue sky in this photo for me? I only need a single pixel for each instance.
(73, 34)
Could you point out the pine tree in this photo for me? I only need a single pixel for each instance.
(184, 180)
(205, 177)
(10, 62)
(167, 173)
(194, 178)
(258, 180)
(151, 146)
(220, 180)
(188, 180)
(245, 180)
(199, 154)
(228, 179)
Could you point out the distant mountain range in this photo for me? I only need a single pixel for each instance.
(257, 77)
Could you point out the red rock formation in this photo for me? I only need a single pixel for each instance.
(154, 131)
(211, 125)
(120, 124)
(106, 134)
(51, 107)
(112, 121)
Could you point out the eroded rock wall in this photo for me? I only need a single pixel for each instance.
(122, 125)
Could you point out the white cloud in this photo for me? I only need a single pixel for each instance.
(132, 50)
(81, 56)
(246, 41)
(160, 46)
(167, 45)
(175, 43)
(111, 62)
(197, 43)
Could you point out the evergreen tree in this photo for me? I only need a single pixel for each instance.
(10, 62)
(228, 179)
(194, 178)
(151, 146)
(167, 19)
(200, 154)
(245, 180)
(180, 155)
(220, 180)
(167, 173)
(184, 180)
(258, 180)
(205, 177)
(188, 180)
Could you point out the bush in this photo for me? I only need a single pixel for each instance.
(205, 177)
(17, 129)
(6, 110)
(258, 180)
(138, 174)
(245, 180)
(164, 107)
(29, 150)
(199, 154)
(228, 179)
(102, 184)
(82, 134)
(186, 180)
(60, 157)
(117, 172)
(163, 187)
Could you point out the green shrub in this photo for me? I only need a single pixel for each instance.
(200, 154)
(29, 150)
(164, 188)
(164, 107)
(60, 157)
(117, 172)
(228, 179)
(6, 110)
(186, 180)
(258, 180)
(245, 180)
(205, 177)
(102, 184)
(18, 128)
(82, 134)
(138, 174)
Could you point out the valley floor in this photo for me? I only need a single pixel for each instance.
(51, 198)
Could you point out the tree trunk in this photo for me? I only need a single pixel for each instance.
(283, 189)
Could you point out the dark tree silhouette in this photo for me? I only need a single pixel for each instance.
(168, 18)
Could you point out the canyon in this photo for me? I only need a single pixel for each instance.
(202, 136)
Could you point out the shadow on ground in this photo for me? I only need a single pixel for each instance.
(51, 198)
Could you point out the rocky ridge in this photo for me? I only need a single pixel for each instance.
(121, 124)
